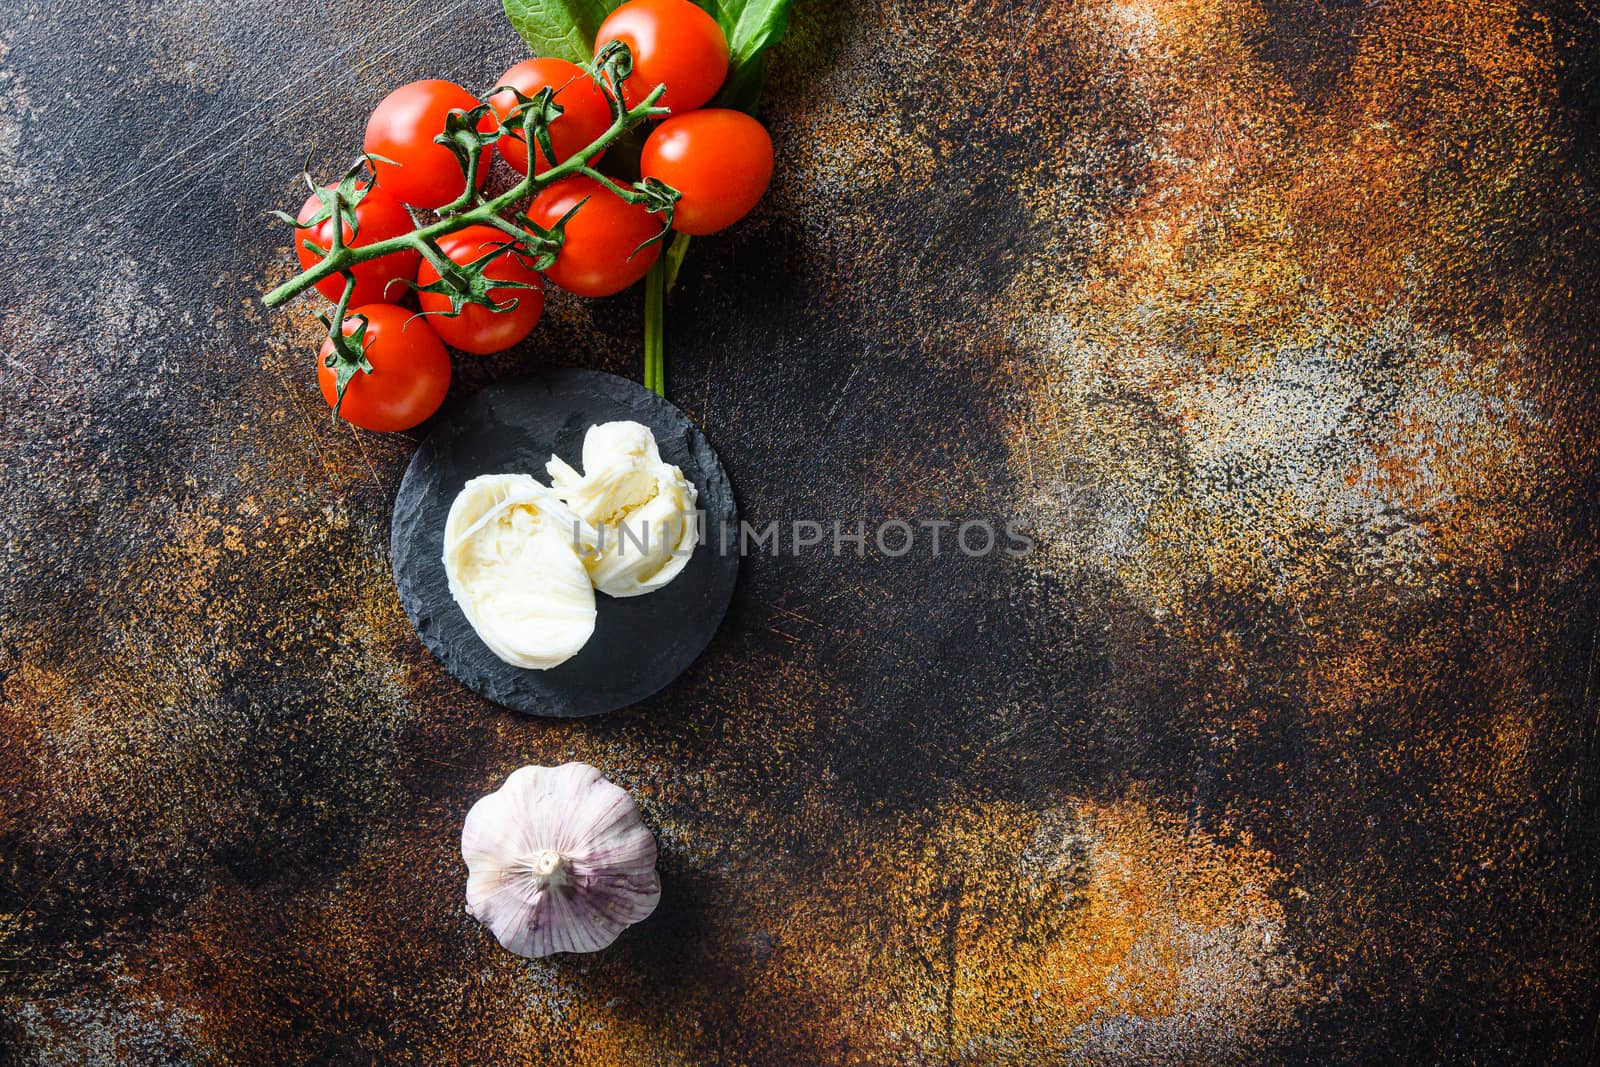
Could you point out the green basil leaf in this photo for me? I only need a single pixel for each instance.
(752, 26)
(562, 28)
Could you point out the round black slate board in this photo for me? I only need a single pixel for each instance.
(640, 644)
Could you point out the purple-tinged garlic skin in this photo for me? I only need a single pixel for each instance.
(558, 860)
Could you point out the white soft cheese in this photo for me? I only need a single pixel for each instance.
(511, 552)
(641, 508)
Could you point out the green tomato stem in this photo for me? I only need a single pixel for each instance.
(655, 300)
(342, 257)
(590, 172)
(343, 307)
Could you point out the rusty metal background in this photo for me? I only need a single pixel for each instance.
(1276, 324)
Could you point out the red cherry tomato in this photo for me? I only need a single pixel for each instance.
(674, 43)
(585, 114)
(721, 161)
(379, 217)
(410, 371)
(598, 257)
(476, 328)
(423, 174)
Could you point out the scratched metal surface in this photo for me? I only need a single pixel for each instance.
(1275, 321)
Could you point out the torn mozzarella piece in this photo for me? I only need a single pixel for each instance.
(641, 508)
(511, 553)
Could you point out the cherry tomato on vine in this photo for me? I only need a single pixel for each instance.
(585, 114)
(598, 257)
(379, 217)
(478, 329)
(674, 43)
(721, 161)
(423, 174)
(410, 371)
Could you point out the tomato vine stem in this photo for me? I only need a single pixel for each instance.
(341, 257)
(655, 299)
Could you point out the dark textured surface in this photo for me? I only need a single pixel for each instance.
(639, 644)
(1276, 322)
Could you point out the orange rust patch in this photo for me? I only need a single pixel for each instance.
(987, 931)
(1295, 420)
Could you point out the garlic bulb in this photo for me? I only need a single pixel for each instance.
(511, 554)
(642, 508)
(558, 860)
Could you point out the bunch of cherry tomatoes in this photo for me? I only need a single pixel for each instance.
(719, 161)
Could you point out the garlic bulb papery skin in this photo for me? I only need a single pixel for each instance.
(558, 860)
(641, 507)
(511, 554)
